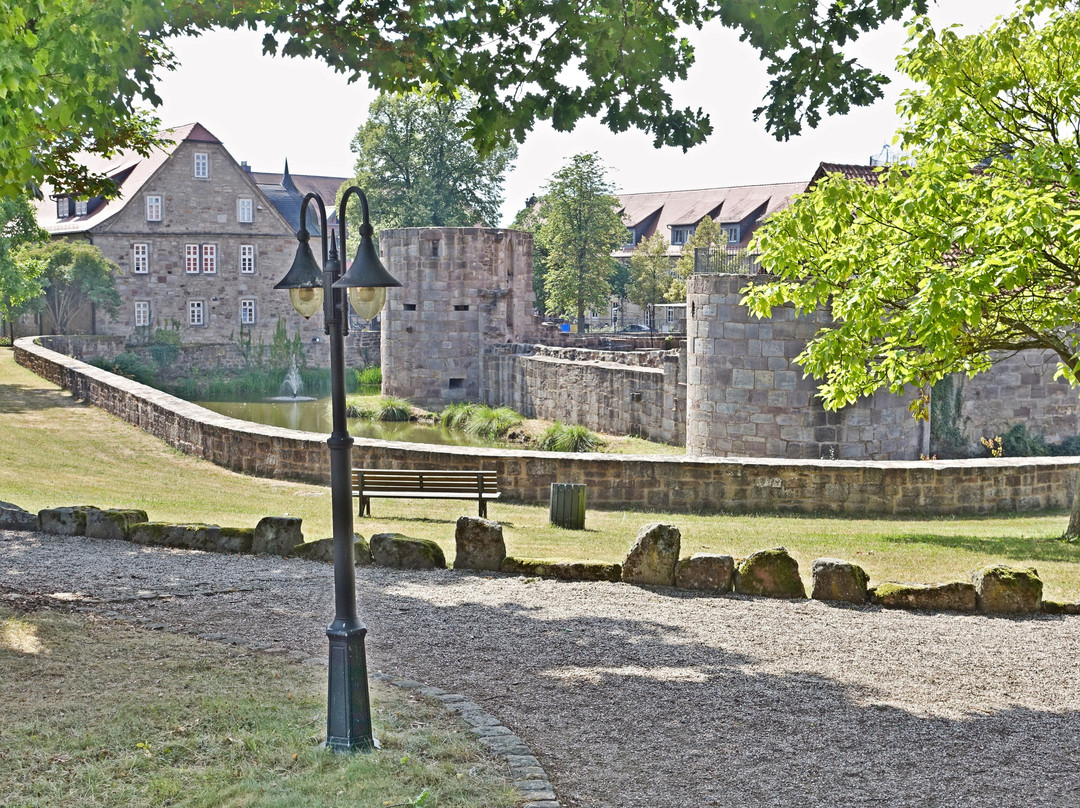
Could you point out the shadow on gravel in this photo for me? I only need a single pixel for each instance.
(638, 713)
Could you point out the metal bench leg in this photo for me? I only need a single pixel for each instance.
(483, 509)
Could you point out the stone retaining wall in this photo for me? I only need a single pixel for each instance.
(641, 393)
(667, 483)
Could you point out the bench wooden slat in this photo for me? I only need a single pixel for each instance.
(481, 485)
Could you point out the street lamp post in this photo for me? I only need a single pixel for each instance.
(348, 719)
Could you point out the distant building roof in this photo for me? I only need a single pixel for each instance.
(286, 192)
(867, 173)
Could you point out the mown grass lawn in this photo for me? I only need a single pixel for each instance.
(97, 714)
(55, 451)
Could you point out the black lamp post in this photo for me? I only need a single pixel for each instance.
(348, 720)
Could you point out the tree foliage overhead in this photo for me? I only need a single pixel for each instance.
(73, 275)
(579, 229)
(72, 71)
(650, 274)
(417, 168)
(970, 250)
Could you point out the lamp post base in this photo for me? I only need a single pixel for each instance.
(348, 719)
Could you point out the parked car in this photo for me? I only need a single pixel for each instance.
(634, 328)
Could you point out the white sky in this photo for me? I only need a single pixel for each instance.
(251, 103)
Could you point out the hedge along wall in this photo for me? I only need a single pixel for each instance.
(667, 483)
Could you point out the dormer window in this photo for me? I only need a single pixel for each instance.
(733, 233)
(80, 207)
(202, 166)
(63, 207)
(679, 235)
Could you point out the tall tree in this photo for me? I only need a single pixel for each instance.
(73, 275)
(580, 228)
(967, 253)
(650, 275)
(73, 71)
(18, 287)
(419, 170)
(707, 235)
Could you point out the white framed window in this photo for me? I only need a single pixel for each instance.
(247, 312)
(243, 210)
(247, 258)
(202, 166)
(63, 207)
(733, 233)
(191, 259)
(209, 258)
(196, 314)
(153, 208)
(679, 235)
(81, 206)
(670, 315)
(142, 312)
(140, 258)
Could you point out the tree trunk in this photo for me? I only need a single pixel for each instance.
(1073, 531)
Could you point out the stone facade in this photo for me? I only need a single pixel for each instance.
(462, 289)
(746, 397)
(675, 484)
(641, 393)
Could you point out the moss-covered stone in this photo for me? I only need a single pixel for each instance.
(837, 580)
(277, 535)
(234, 540)
(323, 550)
(706, 572)
(184, 537)
(65, 521)
(1060, 607)
(770, 573)
(563, 570)
(12, 517)
(402, 552)
(1001, 589)
(478, 544)
(653, 556)
(952, 596)
(115, 523)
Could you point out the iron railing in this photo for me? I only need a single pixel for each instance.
(721, 261)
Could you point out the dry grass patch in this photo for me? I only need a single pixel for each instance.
(97, 713)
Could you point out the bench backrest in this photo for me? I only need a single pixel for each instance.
(443, 482)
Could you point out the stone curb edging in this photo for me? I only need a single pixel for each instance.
(527, 774)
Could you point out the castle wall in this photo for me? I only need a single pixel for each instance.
(462, 290)
(639, 393)
(746, 397)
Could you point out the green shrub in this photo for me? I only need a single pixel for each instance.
(1018, 442)
(134, 367)
(369, 377)
(562, 438)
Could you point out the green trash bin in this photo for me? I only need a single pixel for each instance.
(568, 505)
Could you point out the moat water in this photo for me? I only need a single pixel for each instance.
(313, 415)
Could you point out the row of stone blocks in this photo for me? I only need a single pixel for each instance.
(653, 560)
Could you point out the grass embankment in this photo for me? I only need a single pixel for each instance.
(54, 451)
(97, 713)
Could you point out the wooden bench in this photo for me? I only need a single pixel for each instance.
(479, 485)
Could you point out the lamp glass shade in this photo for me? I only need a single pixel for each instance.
(306, 300)
(367, 301)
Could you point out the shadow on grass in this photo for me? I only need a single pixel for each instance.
(15, 398)
(1019, 548)
(424, 520)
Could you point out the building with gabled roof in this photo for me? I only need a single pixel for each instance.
(199, 240)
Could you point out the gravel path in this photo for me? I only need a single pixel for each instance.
(644, 698)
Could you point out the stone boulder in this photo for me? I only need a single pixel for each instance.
(563, 570)
(653, 557)
(115, 523)
(403, 553)
(209, 538)
(1007, 590)
(323, 550)
(838, 580)
(1060, 607)
(706, 572)
(12, 517)
(277, 535)
(953, 596)
(479, 544)
(65, 521)
(771, 573)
